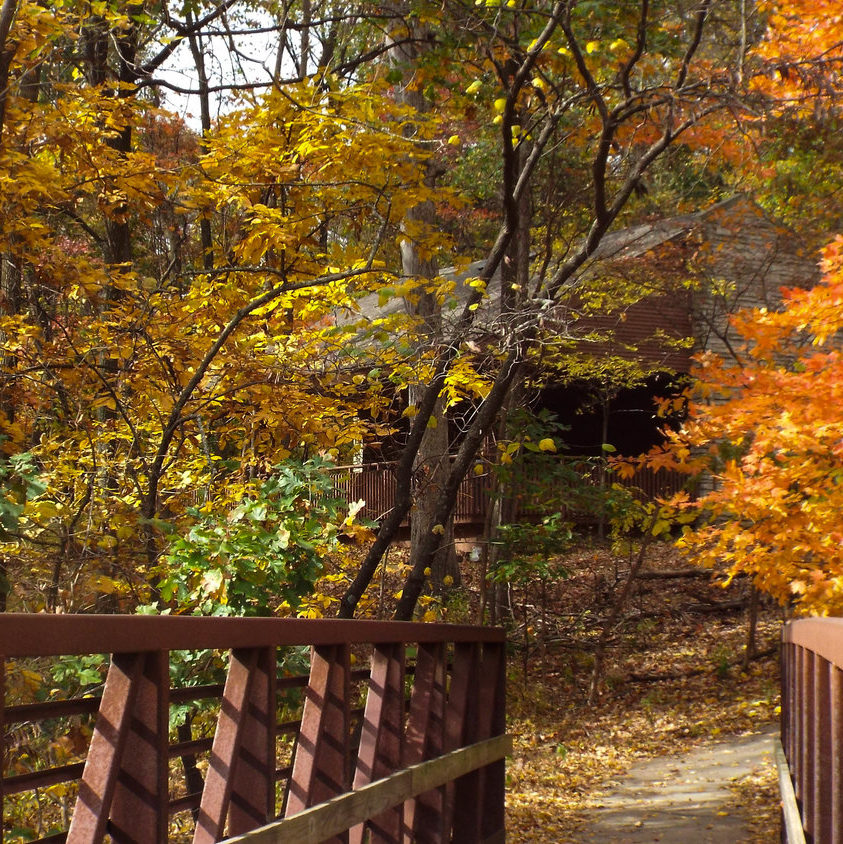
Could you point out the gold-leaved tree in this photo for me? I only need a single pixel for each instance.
(148, 372)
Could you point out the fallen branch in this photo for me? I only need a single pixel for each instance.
(670, 574)
(646, 677)
(645, 614)
(717, 606)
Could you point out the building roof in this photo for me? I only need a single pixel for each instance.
(696, 269)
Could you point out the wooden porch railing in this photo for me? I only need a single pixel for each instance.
(422, 760)
(374, 483)
(811, 766)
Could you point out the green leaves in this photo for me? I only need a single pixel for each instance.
(531, 549)
(20, 482)
(260, 555)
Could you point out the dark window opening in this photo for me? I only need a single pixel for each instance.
(632, 424)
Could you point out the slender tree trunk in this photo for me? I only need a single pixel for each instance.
(501, 512)
(752, 626)
(601, 469)
(7, 53)
(431, 465)
(197, 51)
(515, 283)
(489, 589)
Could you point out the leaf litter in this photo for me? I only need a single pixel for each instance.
(674, 680)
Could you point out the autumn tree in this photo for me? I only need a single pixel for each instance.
(623, 88)
(762, 435)
(797, 171)
(765, 432)
(143, 372)
(180, 312)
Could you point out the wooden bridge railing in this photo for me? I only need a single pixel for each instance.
(421, 760)
(811, 767)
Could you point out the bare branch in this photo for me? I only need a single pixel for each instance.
(640, 46)
(694, 45)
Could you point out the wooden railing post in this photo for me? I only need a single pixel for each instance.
(797, 703)
(321, 760)
(784, 725)
(140, 809)
(823, 750)
(253, 787)
(792, 704)
(462, 802)
(834, 741)
(805, 792)
(382, 739)
(479, 795)
(493, 697)
(124, 784)
(425, 739)
(239, 786)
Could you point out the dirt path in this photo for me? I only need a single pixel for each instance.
(681, 799)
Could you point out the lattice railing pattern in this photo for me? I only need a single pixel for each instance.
(429, 692)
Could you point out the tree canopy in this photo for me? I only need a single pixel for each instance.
(180, 301)
(767, 431)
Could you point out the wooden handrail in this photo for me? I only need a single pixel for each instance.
(341, 813)
(38, 634)
(812, 726)
(791, 822)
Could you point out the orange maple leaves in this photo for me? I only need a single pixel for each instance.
(803, 50)
(768, 437)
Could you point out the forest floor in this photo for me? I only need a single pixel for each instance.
(674, 680)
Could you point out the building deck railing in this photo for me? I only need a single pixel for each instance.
(407, 746)
(374, 483)
(812, 731)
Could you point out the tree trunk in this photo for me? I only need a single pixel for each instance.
(464, 458)
(432, 462)
(752, 626)
(515, 280)
(429, 475)
(7, 52)
(197, 51)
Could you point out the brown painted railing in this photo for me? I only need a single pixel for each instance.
(424, 762)
(812, 730)
(374, 483)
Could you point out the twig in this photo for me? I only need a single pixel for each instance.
(670, 574)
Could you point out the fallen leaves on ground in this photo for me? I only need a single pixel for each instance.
(757, 799)
(567, 754)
